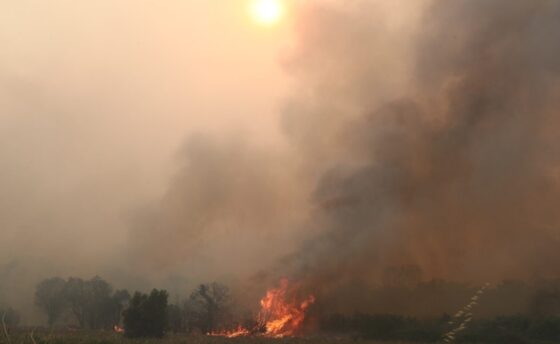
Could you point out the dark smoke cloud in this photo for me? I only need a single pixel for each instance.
(428, 142)
(231, 210)
(459, 173)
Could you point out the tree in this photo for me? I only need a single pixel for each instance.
(99, 303)
(120, 301)
(76, 294)
(92, 302)
(50, 297)
(146, 315)
(208, 307)
(175, 318)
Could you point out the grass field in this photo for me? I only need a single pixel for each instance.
(108, 337)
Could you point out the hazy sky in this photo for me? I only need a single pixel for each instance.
(96, 100)
(97, 97)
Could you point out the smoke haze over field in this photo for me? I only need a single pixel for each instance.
(413, 133)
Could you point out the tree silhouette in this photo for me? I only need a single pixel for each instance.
(208, 306)
(146, 316)
(50, 297)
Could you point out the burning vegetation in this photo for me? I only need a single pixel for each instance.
(282, 314)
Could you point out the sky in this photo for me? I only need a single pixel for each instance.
(97, 100)
(98, 97)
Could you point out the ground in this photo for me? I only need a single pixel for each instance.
(107, 337)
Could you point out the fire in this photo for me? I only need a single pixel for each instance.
(281, 314)
(240, 331)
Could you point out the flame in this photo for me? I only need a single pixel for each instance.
(118, 329)
(240, 331)
(281, 314)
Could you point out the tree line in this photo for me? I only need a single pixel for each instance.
(93, 304)
(509, 309)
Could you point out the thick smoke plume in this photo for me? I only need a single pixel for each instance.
(427, 141)
(420, 134)
(458, 174)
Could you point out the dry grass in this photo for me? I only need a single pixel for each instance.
(108, 337)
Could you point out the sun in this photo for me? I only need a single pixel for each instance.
(267, 12)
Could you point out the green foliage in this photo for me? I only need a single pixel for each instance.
(146, 315)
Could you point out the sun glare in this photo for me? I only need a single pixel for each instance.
(267, 12)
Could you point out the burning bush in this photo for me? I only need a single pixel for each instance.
(282, 313)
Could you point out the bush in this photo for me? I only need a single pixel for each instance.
(146, 315)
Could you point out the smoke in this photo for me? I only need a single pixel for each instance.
(423, 139)
(236, 207)
(418, 134)
(230, 203)
(457, 173)
(95, 100)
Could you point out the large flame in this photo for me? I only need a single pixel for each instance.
(281, 314)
